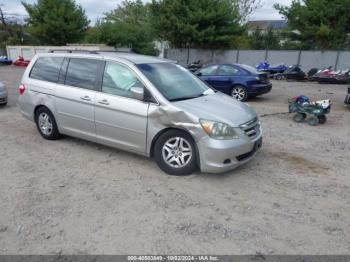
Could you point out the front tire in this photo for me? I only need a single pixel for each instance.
(175, 153)
(239, 92)
(322, 119)
(46, 124)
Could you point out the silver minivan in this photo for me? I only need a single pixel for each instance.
(141, 104)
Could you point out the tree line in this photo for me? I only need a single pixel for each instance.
(219, 24)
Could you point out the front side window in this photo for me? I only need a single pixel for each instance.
(174, 82)
(209, 70)
(118, 80)
(47, 69)
(82, 72)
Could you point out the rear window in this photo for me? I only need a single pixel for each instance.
(83, 72)
(250, 69)
(47, 69)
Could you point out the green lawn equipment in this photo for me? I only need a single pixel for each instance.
(313, 112)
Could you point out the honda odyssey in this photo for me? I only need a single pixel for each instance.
(141, 104)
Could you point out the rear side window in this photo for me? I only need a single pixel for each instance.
(47, 69)
(62, 76)
(83, 72)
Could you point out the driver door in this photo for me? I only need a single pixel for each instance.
(121, 121)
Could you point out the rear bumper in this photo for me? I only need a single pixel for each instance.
(259, 89)
(26, 108)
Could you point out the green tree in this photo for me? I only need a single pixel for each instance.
(323, 24)
(269, 39)
(199, 24)
(56, 22)
(126, 26)
(12, 30)
(246, 8)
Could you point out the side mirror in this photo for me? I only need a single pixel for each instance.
(137, 93)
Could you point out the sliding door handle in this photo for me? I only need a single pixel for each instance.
(85, 98)
(103, 102)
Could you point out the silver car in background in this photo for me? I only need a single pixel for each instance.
(141, 104)
(3, 95)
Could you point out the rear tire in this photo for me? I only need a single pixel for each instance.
(299, 117)
(278, 77)
(46, 124)
(175, 153)
(239, 92)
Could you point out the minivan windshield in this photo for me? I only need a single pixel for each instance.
(174, 82)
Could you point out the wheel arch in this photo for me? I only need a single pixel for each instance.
(161, 132)
(238, 84)
(36, 108)
(155, 138)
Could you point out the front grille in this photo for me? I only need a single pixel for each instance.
(251, 128)
(245, 156)
(3, 100)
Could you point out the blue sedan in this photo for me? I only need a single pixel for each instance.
(237, 80)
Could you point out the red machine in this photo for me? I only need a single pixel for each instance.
(21, 62)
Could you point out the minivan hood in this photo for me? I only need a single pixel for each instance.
(218, 107)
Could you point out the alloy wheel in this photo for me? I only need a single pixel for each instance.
(45, 124)
(177, 152)
(238, 93)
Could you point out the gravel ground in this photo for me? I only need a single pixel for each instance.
(76, 197)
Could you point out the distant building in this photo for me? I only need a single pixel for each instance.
(265, 25)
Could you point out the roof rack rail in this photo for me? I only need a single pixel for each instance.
(115, 51)
(72, 51)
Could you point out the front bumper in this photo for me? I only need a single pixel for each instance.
(220, 156)
(3, 97)
(259, 89)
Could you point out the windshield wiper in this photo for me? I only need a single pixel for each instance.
(185, 98)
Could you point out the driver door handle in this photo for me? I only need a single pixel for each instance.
(103, 102)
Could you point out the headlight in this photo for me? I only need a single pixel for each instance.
(218, 130)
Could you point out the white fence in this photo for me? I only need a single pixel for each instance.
(306, 59)
(29, 51)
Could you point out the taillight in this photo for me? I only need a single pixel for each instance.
(21, 89)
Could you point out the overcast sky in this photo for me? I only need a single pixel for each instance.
(95, 8)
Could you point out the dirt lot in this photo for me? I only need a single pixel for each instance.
(75, 197)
